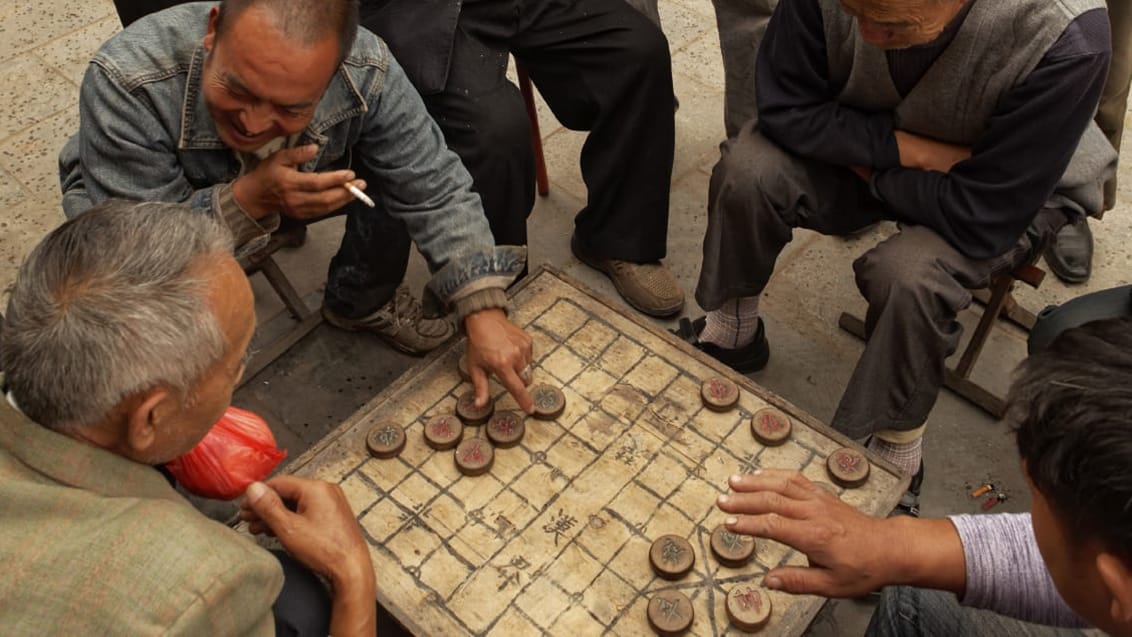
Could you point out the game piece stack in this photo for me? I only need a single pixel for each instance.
(474, 456)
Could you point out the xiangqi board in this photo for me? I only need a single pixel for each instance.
(554, 538)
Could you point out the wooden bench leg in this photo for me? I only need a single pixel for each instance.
(282, 286)
(308, 319)
(541, 179)
(957, 380)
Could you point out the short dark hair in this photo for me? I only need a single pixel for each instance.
(1072, 411)
(306, 21)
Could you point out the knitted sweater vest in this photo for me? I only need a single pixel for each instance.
(999, 43)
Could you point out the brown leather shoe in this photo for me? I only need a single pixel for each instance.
(400, 323)
(649, 287)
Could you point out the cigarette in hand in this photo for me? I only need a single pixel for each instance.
(357, 192)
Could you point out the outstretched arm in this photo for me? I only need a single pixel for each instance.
(851, 554)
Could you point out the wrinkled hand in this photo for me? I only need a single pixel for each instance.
(925, 153)
(314, 522)
(498, 346)
(276, 184)
(848, 550)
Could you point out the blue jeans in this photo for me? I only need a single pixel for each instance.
(905, 611)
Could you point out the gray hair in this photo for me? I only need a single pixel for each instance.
(304, 21)
(108, 305)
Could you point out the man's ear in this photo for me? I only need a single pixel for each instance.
(145, 417)
(210, 35)
(1117, 578)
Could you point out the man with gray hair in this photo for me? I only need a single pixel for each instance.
(127, 330)
(967, 121)
(250, 110)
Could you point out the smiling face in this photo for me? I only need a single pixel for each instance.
(258, 84)
(899, 24)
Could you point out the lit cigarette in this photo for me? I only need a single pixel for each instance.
(363, 197)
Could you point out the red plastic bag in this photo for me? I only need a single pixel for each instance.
(237, 451)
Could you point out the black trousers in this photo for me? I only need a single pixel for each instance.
(303, 606)
(601, 67)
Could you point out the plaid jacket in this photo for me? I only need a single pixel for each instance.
(92, 543)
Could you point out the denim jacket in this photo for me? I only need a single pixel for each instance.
(145, 133)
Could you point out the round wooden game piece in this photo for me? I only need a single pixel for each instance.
(468, 412)
(671, 557)
(385, 440)
(505, 429)
(550, 402)
(719, 394)
(474, 456)
(462, 368)
(670, 613)
(731, 549)
(848, 467)
(443, 432)
(771, 427)
(748, 607)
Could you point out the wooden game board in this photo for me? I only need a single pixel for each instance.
(555, 538)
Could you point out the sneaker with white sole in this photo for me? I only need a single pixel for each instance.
(400, 323)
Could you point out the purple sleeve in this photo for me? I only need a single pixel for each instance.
(798, 108)
(986, 202)
(1006, 573)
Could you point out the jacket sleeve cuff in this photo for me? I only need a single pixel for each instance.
(249, 235)
(484, 299)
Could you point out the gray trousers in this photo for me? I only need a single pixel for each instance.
(1114, 100)
(742, 24)
(915, 282)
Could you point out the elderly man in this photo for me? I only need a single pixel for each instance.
(1069, 255)
(958, 118)
(250, 109)
(127, 329)
(602, 67)
(1068, 563)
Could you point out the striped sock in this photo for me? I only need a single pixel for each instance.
(734, 324)
(905, 455)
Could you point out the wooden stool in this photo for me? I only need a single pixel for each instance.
(536, 137)
(998, 302)
(307, 319)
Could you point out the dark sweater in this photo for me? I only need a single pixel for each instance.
(1014, 165)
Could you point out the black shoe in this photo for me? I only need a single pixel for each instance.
(745, 360)
(910, 501)
(1070, 254)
